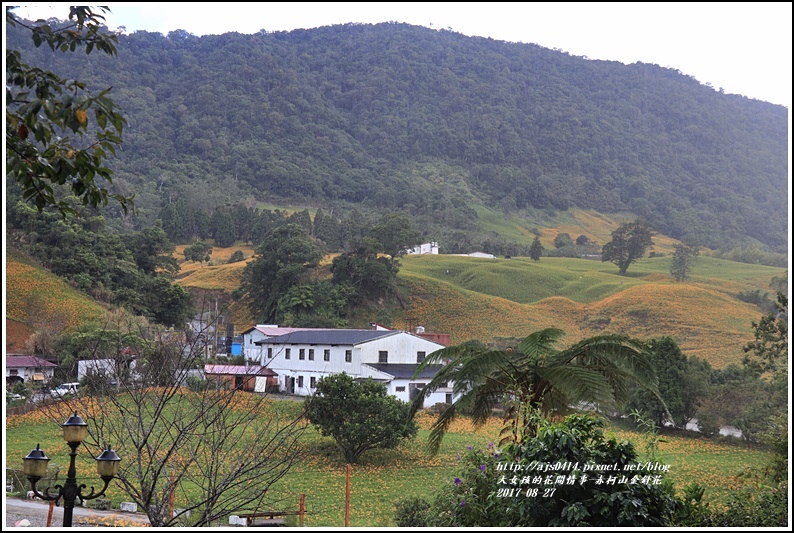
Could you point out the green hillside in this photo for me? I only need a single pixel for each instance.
(435, 124)
(473, 298)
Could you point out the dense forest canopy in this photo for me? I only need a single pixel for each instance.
(399, 117)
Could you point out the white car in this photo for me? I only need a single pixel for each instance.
(64, 389)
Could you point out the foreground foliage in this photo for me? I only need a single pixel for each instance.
(535, 375)
(487, 493)
(47, 120)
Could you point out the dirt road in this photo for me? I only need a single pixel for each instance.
(36, 511)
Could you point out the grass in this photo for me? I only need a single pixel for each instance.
(385, 477)
(482, 299)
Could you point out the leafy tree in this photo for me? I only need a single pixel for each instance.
(237, 256)
(327, 228)
(770, 347)
(286, 257)
(562, 239)
(683, 259)
(395, 233)
(152, 250)
(319, 304)
(582, 240)
(200, 251)
(536, 250)
(535, 375)
(48, 128)
(683, 383)
(472, 499)
(629, 243)
(223, 229)
(359, 415)
(371, 275)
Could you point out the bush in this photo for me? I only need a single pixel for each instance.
(237, 256)
(488, 494)
(412, 512)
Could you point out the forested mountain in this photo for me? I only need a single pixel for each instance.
(394, 116)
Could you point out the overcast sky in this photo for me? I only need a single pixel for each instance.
(743, 47)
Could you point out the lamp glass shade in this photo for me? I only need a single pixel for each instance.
(35, 463)
(74, 429)
(107, 464)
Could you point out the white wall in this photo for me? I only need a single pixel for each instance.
(402, 347)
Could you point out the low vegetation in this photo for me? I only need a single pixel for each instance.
(385, 477)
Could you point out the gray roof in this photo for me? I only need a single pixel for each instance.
(405, 370)
(332, 337)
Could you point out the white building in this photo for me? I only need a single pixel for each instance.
(303, 356)
(260, 332)
(426, 248)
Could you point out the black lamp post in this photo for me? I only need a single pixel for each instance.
(35, 467)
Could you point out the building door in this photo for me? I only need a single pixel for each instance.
(413, 390)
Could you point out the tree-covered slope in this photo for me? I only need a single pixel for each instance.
(431, 122)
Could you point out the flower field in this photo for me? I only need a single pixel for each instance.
(385, 477)
(31, 290)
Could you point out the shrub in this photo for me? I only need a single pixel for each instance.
(487, 493)
(237, 256)
(412, 512)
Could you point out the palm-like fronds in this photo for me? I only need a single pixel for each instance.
(535, 376)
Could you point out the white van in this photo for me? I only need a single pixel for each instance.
(65, 389)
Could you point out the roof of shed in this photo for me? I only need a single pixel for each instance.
(239, 370)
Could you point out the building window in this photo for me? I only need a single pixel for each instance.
(270, 353)
(300, 381)
(420, 356)
(383, 356)
(312, 381)
(448, 398)
(311, 354)
(286, 353)
(326, 355)
(399, 389)
(348, 356)
(14, 372)
(443, 385)
(302, 354)
(250, 340)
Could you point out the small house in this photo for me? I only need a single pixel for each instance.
(28, 368)
(250, 378)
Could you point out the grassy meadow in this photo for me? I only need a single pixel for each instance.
(385, 477)
(484, 299)
(476, 298)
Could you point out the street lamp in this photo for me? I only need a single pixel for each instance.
(35, 467)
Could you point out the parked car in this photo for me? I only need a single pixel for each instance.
(12, 396)
(64, 389)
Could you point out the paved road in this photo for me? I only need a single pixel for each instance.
(36, 512)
